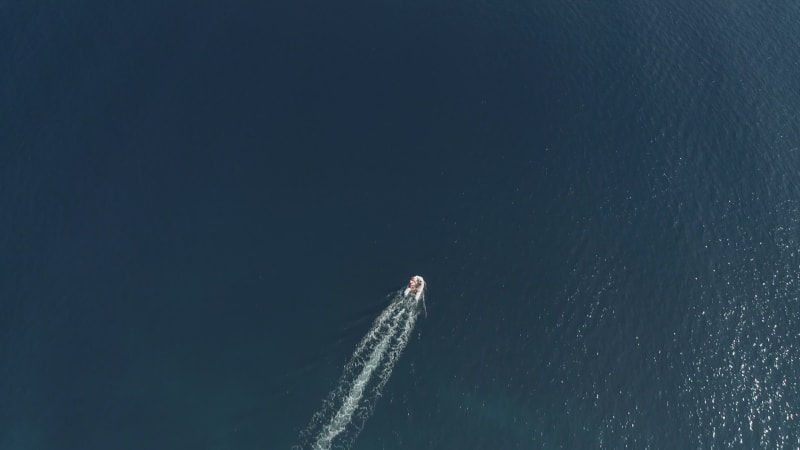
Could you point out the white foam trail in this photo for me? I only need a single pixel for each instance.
(345, 414)
(350, 404)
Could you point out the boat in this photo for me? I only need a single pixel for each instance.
(416, 288)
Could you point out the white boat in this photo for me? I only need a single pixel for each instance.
(416, 288)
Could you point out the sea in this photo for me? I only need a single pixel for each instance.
(209, 210)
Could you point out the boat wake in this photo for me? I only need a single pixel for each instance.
(343, 414)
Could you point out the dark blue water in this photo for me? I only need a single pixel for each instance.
(203, 206)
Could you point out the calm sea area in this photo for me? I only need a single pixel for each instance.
(205, 205)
